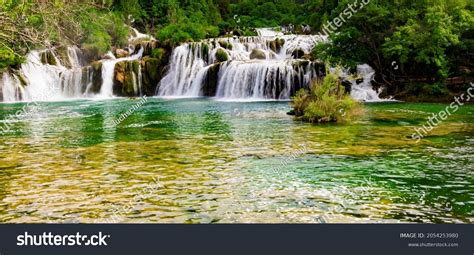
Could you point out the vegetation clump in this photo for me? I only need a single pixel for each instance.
(325, 101)
(221, 55)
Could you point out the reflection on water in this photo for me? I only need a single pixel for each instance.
(203, 161)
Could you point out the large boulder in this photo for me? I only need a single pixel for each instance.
(257, 54)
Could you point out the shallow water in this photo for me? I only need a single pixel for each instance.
(201, 161)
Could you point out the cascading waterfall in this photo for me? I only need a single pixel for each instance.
(363, 90)
(269, 66)
(108, 70)
(45, 76)
(262, 67)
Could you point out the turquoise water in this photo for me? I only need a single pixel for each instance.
(206, 161)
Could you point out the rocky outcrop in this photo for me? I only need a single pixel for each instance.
(209, 87)
(126, 79)
(257, 54)
(94, 73)
(152, 72)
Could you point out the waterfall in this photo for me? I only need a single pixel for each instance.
(363, 90)
(60, 73)
(9, 92)
(108, 70)
(269, 66)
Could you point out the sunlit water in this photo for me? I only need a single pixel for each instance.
(205, 161)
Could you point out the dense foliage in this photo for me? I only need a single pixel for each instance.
(425, 41)
(40, 24)
(326, 101)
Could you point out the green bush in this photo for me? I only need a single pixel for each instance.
(8, 58)
(326, 101)
(221, 55)
(157, 53)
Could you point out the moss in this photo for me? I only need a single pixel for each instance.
(221, 55)
(158, 53)
(48, 58)
(63, 56)
(125, 78)
(277, 44)
(205, 50)
(225, 45)
(209, 88)
(96, 69)
(22, 79)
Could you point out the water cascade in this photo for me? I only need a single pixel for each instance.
(269, 66)
(62, 72)
(361, 88)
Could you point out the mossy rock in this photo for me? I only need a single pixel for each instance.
(205, 50)
(126, 78)
(96, 69)
(221, 55)
(22, 79)
(277, 44)
(225, 45)
(257, 54)
(48, 58)
(152, 72)
(298, 53)
(148, 47)
(63, 56)
(209, 88)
